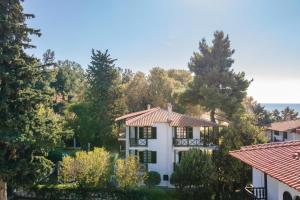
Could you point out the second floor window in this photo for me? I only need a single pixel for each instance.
(147, 132)
(183, 132)
(276, 132)
(284, 135)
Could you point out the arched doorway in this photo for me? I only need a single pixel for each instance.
(297, 198)
(287, 196)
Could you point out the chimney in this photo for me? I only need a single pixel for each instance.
(169, 108)
(148, 106)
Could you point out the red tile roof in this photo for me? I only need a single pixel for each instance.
(159, 115)
(133, 114)
(284, 125)
(278, 160)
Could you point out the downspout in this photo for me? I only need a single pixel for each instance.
(266, 185)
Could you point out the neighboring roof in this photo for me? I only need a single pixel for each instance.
(133, 114)
(284, 125)
(278, 160)
(159, 115)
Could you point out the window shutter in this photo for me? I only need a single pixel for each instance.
(141, 156)
(141, 132)
(153, 133)
(135, 132)
(153, 156)
(190, 132)
(175, 132)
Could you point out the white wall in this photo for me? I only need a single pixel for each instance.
(257, 178)
(275, 188)
(283, 187)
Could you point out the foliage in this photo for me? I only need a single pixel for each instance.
(260, 115)
(28, 126)
(129, 173)
(276, 115)
(289, 114)
(87, 168)
(137, 92)
(153, 178)
(62, 191)
(216, 85)
(233, 174)
(195, 173)
(105, 100)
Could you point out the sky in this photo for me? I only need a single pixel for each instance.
(143, 34)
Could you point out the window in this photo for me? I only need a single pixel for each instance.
(284, 135)
(276, 132)
(287, 196)
(165, 177)
(147, 132)
(181, 155)
(183, 132)
(147, 156)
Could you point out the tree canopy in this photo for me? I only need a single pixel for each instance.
(216, 85)
(28, 126)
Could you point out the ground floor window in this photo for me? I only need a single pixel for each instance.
(287, 196)
(147, 156)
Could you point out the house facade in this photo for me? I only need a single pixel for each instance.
(159, 138)
(283, 130)
(275, 170)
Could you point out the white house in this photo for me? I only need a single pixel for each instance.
(275, 170)
(283, 130)
(160, 137)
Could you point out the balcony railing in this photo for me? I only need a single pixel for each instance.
(137, 142)
(256, 193)
(191, 142)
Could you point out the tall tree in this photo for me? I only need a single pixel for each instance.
(216, 85)
(105, 97)
(137, 93)
(28, 128)
(289, 114)
(69, 84)
(276, 115)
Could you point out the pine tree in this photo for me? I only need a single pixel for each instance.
(105, 96)
(28, 128)
(216, 85)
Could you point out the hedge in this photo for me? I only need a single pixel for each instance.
(74, 192)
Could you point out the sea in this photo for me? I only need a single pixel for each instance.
(281, 106)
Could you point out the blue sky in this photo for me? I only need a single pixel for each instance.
(143, 34)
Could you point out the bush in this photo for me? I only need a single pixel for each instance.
(129, 173)
(195, 174)
(71, 191)
(87, 168)
(153, 178)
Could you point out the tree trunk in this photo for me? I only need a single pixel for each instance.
(212, 115)
(3, 190)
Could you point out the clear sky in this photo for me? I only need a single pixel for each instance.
(143, 34)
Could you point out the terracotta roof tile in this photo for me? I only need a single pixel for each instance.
(279, 160)
(163, 116)
(284, 125)
(133, 114)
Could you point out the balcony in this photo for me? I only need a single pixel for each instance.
(256, 193)
(138, 142)
(183, 142)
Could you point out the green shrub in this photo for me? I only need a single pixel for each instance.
(129, 173)
(87, 168)
(153, 178)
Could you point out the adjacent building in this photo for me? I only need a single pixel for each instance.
(283, 130)
(275, 170)
(159, 138)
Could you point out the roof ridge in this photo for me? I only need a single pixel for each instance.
(143, 115)
(268, 145)
(132, 114)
